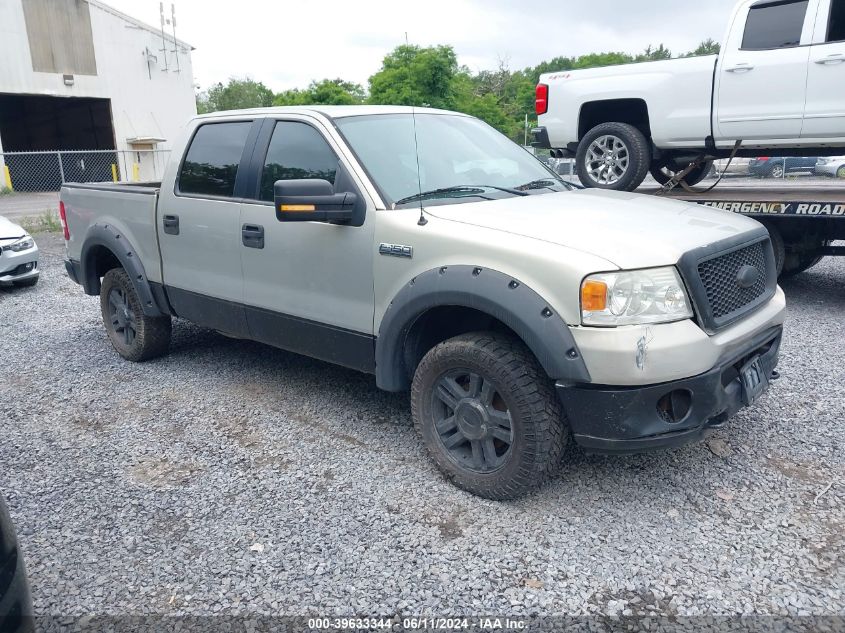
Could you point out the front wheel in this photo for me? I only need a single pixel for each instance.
(663, 173)
(488, 415)
(613, 156)
(135, 336)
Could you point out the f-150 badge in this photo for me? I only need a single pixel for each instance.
(396, 250)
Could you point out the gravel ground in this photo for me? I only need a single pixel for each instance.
(232, 478)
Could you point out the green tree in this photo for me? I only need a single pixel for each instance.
(707, 47)
(235, 95)
(412, 75)
(654, 54)
(325, 92)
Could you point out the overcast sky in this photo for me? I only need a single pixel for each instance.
(288, 43)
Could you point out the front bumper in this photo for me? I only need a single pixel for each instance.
(634, 419)
(18, 266)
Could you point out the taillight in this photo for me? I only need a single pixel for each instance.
(763, 159)
(63, 218)
(541, 99)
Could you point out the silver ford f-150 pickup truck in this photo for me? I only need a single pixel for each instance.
(424, 247)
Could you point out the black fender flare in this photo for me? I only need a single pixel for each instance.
(109, 237)
(499, 295)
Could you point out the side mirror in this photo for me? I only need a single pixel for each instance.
(312, 200)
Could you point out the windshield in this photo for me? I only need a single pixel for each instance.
(459, 157)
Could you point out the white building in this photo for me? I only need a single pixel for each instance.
(79, 75)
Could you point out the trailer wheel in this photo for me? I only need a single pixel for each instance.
(613, 156)
(777, 246)
(663, 173)
(803, 258)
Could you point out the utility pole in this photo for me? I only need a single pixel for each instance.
(526, 130)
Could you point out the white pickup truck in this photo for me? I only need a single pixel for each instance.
(426, 248)
(778, 86)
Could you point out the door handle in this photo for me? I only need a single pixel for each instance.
(171, 224)
(740, 68)
(252, 235)
(836, 58)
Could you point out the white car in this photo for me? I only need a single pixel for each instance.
(18, 255)
(832, 166)
(778, 86)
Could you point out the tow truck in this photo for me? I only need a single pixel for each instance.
(803, 219)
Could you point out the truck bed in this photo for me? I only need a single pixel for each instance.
(130, 208)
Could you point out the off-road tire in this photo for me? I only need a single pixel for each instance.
(152, 334)
(540, 430)
(639, 153)
(693, 178)
(27, 283)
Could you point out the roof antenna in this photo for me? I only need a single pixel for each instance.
(422, 221)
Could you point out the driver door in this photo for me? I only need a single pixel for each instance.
(308, 288)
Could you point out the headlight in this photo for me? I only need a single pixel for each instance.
(654, 295)
(21, 245)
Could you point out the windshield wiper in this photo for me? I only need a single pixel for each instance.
(434, 193)
(542, 183)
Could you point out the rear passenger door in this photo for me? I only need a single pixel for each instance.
(762, 73)
(308, 286)
(199, 226)
(824, 116)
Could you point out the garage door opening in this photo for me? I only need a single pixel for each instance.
(31, 123)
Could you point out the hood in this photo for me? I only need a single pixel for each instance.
(9, 229)
(631, 230)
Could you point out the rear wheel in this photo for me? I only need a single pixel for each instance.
(135, 336)
(613, 156)
(776, 171)
(488, 415)
(663, 172)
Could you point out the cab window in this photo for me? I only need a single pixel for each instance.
(211, 163)
(774, 24)
(296, 151)
(836, 25)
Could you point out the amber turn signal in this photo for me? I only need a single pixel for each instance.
(593, 295)
(297, 207)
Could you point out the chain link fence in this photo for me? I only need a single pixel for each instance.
(47, 171)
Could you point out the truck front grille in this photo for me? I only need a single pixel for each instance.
(719, 277)
(729, 279)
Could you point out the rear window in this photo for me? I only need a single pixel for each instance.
(774, 25)
(211, 164)
(836, 26)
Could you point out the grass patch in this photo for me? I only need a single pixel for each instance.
(47, 222)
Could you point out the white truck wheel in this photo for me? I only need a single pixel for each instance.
(613, 156)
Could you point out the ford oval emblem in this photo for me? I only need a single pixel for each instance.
(747, 276)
